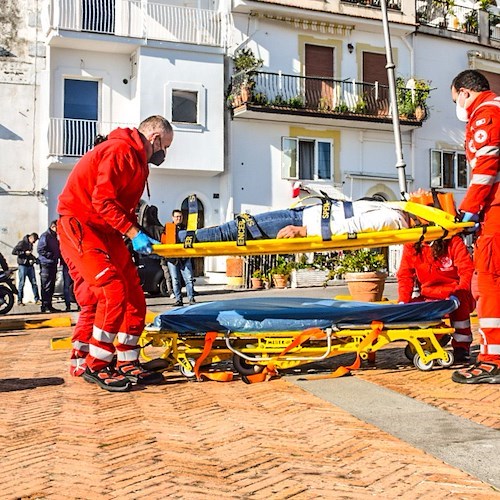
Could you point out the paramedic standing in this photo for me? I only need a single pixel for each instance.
(480, 109)
(97, 209)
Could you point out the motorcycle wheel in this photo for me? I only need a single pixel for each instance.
(6, 299)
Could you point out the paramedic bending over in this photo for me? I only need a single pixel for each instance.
(306, 221)
(97, 209)
(441, 269)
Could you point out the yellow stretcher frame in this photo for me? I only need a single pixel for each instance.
(441, 225)
(269, 351)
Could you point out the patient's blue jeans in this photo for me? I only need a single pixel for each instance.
(269, 224)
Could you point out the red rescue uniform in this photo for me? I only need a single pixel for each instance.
(482, 145)
(96, 208)
(438, 278)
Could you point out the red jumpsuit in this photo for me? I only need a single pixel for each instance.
(96, 208)
(482, 147)
(439, 278)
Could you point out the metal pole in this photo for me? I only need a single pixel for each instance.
(400, 163)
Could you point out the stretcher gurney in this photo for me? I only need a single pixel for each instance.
(264, 335)
(433, 224)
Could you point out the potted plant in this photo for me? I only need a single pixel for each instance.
(280, 272)
(307, 272)
(244, 63)
(257, 279)
(364, 271)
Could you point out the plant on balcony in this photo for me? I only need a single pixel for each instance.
(341, 108)
(279, 100)
(412, 101)
(360, 107)
(260, 98)
(244, 63)
(325, 104)
(296, 102)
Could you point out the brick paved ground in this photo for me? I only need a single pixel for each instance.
(63, 438)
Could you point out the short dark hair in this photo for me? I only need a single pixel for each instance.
(176, 211)
(155, 123)
(34, 235)
(470, 79)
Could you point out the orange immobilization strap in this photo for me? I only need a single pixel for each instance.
(377, 327)
(270, 371)
(207, 347)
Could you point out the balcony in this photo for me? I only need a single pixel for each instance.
(391, 4)
(319, 100)
(141, 19)
(447, 15)
(73, 138)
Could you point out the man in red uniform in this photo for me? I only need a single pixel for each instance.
(480, 108)
(441, 269)
(97, 209)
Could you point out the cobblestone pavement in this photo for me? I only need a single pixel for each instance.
(61, 437)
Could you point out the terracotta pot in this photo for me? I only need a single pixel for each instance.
(257, 283)
(234, 266)
(420, 113)
(280, 280)
(366, 287)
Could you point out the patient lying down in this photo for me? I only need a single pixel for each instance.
(355, 217)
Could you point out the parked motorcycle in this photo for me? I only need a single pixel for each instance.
(8, 291)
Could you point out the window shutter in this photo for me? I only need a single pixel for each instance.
(289, 167)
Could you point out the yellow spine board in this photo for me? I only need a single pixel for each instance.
(444, 226)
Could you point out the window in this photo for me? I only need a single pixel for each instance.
(184, 106)
(306, 159)
(81, 107)
(448, 169)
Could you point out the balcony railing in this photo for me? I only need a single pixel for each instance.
(447, 15)
(142, 19)
(70, 137)
(391, 4)
(327, 96)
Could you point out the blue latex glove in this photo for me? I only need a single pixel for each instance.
(455, 299)
(142, 243)
(469, 217)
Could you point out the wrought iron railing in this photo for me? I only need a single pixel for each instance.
(142, 19)
(391, 4)
(314, 94)
(447, 15)
(70, 137)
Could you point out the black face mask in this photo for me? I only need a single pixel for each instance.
(158, 157)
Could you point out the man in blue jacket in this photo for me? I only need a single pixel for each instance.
(49, 255)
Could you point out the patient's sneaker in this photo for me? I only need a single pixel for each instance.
(480, 373)
(138, 375)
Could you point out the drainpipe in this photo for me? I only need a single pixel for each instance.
(412, 74)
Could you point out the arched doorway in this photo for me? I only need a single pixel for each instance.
(198, 262)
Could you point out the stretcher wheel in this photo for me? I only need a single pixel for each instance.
(244, 368)
(444, 339)
(446, 363)
(425, 367)
(186, 372)
(409, 351)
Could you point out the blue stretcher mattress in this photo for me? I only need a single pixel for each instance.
(295, 314)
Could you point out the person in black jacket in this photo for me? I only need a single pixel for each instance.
(26, 266)
(49, 255)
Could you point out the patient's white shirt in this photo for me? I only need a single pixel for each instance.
(367, 216)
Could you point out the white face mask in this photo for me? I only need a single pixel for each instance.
(462, 113)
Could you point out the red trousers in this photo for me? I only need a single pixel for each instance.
(460, 318)
(108, 291)
(487, 264)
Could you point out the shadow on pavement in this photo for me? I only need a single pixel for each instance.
(21, 384)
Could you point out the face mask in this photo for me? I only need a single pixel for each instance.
(157, 158)
(461, 112)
